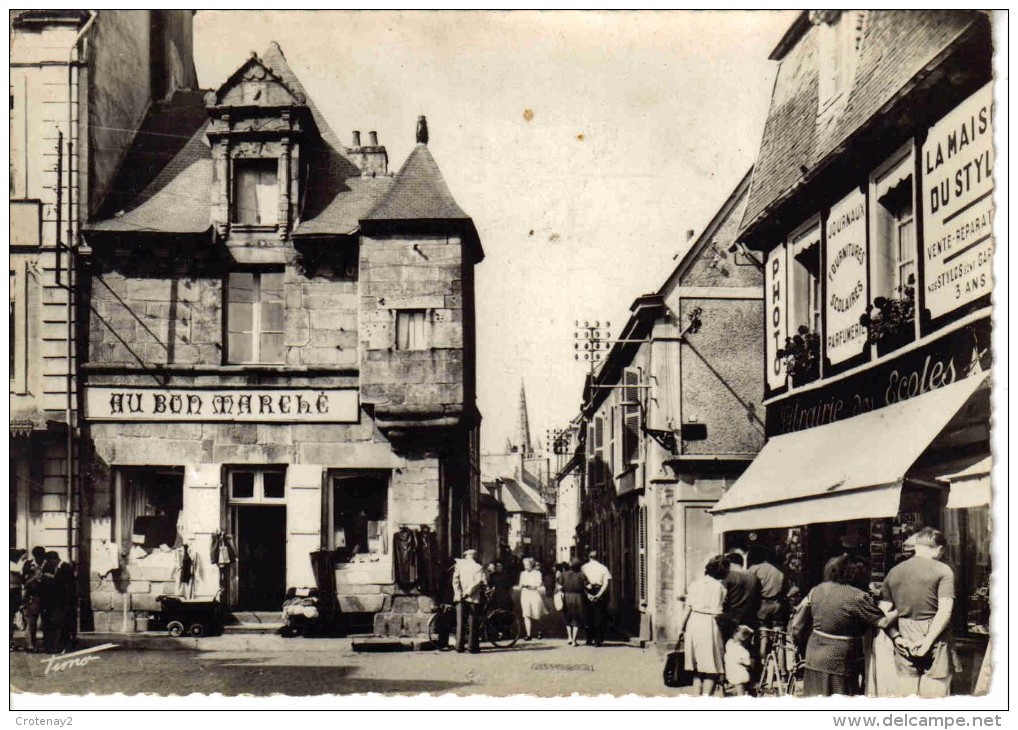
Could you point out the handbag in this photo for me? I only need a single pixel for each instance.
(559, 601)
(675, 673)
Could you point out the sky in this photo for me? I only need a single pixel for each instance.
(583, 144)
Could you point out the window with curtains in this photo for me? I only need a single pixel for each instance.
(894, 251)
(411, 329)
(255, 192)
(148, 505)
(255, 317)
(806, 302)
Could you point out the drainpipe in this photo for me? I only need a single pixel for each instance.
(71, 245)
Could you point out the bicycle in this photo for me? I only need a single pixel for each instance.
(776, 678)
(497, 626)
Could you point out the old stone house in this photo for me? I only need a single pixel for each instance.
(280, 349)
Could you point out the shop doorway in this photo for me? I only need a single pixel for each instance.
(261, 556)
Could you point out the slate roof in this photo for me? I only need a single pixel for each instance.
(175, 197)
(894, 47)
(520, 498)
(418, 193)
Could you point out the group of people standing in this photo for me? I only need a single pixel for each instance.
(583, 589)
(891, 642)
(43, 589)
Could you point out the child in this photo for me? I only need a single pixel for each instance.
(738, 660)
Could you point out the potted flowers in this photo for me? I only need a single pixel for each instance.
(890, 321)
(801, 355)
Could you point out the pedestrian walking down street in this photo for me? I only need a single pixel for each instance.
(705, 651)
(920, 591)
(571, 583)
(501, 584)
(838, 613)
(468, 584)
(532, 598)
(445, 596)
(597, 584)
(32, 597)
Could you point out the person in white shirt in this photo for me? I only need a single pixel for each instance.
(597, 579)
(468, 583)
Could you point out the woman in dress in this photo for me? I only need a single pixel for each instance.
(531, 597)
(839, 613)
(705, 652)
(571, 583)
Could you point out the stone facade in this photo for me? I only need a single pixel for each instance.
(335, 439)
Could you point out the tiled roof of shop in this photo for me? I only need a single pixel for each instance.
(419, 192)
(519, 498)
(894, 46)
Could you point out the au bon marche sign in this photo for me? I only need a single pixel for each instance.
(268, 405)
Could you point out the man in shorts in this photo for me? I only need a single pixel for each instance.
(921, 590)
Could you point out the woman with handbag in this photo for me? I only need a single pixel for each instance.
(838, 612)
(705, 653)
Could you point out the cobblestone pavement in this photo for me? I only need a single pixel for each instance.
(329, 666)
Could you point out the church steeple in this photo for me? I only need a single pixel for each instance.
(523, 426)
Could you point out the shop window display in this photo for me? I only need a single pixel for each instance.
(359, 513)
(149, 502)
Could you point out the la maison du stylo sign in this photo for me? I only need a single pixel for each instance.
(270, 405)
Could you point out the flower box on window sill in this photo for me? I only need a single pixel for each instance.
(801, 355)
(889, 321)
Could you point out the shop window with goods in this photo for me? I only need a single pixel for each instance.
(148, 504)
(359, 530)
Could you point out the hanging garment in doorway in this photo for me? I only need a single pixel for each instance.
(428, 574)
(405, 549)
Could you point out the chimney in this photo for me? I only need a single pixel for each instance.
(689, 235)
(372, 159)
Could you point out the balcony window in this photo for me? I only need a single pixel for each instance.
(255, 317)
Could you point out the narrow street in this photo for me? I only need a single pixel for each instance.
(544, 668)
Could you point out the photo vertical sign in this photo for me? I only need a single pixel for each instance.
(846, 284)
(776, 295)
(957, 186)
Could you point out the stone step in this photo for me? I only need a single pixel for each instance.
(248, 628)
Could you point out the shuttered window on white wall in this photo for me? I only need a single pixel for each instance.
(641, 546)
(599, 466)
(631, 417)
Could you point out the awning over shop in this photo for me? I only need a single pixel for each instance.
(970, 487)
(846, 470)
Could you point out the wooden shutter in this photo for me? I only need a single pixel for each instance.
(591, 457)
(631, 417)
(641, 547)
(599, 468)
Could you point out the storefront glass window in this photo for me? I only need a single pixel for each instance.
(359, 514)
(149, 502)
